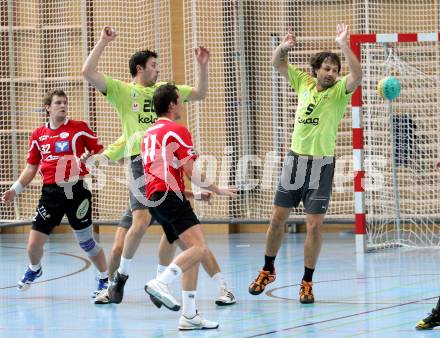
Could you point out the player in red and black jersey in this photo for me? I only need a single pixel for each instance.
(168, 155)
(56, 150)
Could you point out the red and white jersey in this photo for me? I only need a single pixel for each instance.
(58, 151)
(167, 145)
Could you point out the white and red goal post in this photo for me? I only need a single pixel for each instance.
(357, 41)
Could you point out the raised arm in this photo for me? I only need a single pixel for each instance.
(27, 175)
(279, 56)
(89, 69)
(200, 180)
(202, 57)
(355, 77)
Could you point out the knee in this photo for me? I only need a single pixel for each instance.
(313, 229)
(277, 221)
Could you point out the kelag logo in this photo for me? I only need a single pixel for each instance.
(310, 120)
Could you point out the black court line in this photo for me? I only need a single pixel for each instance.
(270, 294)
(87, 264)
(341, 317)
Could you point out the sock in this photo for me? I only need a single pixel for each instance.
(269, 263)
(124, 265)
(437, 308)
(35, 268)
(171, 273)
(103, 275)
(189, 304)
(219, 280)
(160, 269)
(308, 274)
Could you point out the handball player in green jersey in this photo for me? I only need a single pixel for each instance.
(308, 168)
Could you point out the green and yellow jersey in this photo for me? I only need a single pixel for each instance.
(116, 150)
(318, 114)
(134, 104)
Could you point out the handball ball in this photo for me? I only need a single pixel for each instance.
(389, 88)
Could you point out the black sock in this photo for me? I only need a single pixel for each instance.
(308, 274)
(268, 263)
(437, 308)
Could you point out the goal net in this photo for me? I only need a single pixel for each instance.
(401, 144)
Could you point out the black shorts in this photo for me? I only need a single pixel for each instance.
(174, 214)
(137, 183)
(54, 204)
(307, 179)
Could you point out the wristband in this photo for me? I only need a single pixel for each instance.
(18, 187)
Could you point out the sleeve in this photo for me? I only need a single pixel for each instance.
(296, 77)
(91, 141)
(184, 91)
(341, 91)
(34, 154)
(116, 150)
(116, 91)
(186, 150)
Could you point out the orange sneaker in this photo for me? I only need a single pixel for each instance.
(306, 293)
(258, 285)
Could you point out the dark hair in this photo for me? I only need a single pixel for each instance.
(317, 60)
(47, 101)
(140, 58)
(163, 96)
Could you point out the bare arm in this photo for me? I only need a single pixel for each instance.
(354, 79)
(279, 56)
(27, 175)
(199, 92)
(89, 69)
(199, 179)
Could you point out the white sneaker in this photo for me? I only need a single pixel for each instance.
(226, 298)
(196, 323)
(103, 298)
(162, 294)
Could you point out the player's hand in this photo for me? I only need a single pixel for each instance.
(202, 55)
(8, 196)
(108, 34)
(205, 196)
(341, 34)
(231, 192)
(288, 42)
(86, 155)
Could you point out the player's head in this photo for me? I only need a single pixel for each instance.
(167, 102)
(55, 104)
(143, 66)
(325, 67)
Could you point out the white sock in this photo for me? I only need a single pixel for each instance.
(35, 268)
(124, 265)
(103, 275)
(171, 273)
(160, 269)
(219, 280)
(189, 303)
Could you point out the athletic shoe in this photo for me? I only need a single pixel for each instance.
(116, 288)
(162, 294)
(156, 301)
(196, 323)
(258, 285)
(103, 298)
(226, 297)
(102, 285)
(429, 322)
(306, 293)
(28, 278)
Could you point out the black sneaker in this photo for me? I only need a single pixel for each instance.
(429, 322)
(116, 288)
